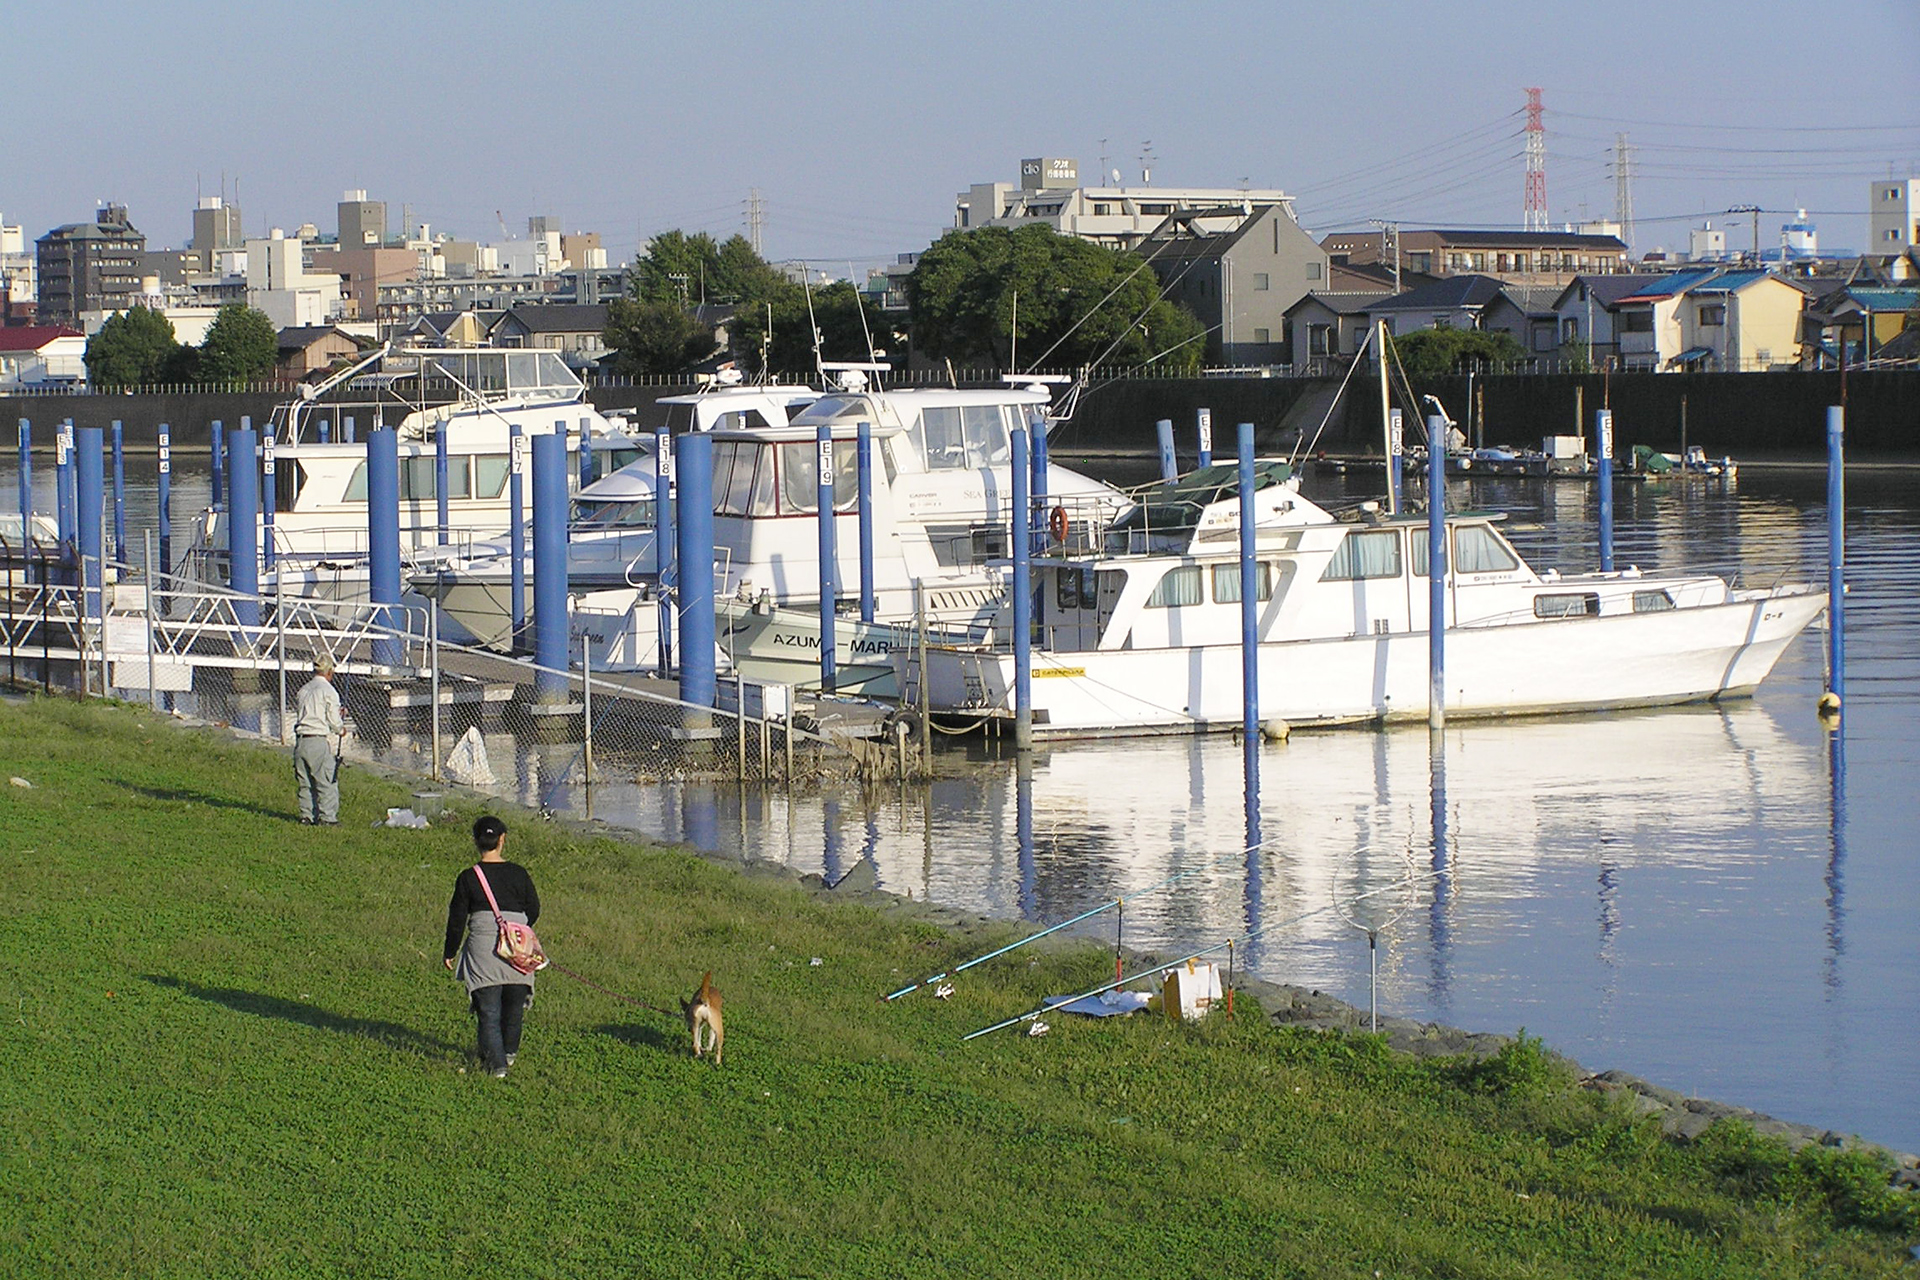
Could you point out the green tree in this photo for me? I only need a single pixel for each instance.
(1432, 353)
(696, 268)
(133, 348)
(241, 345)
(655, 336)
(1077, 303)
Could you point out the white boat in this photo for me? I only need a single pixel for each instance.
(474, 397)
(1143, 636)
(942, 482)
(610, 539)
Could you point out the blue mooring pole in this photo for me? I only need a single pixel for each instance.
(1249, 651)
(442, 470)
(163, 498)
(517, 530)
(1603, 433)
(217, 489)
(1022, 596)
(829, 575)
(1037, 437)
(664, 537)
(863, 462)
(1836, 554)
(1169, 466)
(267, 494)
(550, 637)
(1396, 448)
(383, 541)
(89, 451)
(26, 482)
(243, 532)
(693, 514)
(63, 482)
(1436, 572)
(118, 442)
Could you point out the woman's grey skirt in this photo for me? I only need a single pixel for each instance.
(478, 966)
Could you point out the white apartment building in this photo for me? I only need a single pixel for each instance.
(279, 284)
(1118, 216)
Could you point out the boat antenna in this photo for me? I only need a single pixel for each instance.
(866, 333)
(806, 285)
(766, 349)
(1013, 338)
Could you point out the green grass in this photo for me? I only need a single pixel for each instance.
(230, 1049)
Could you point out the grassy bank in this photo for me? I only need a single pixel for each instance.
(231, 1049)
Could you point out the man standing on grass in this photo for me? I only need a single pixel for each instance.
(317, 731)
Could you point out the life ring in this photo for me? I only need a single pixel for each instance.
(1057, 524)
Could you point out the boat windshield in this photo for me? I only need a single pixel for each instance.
(607, 516)
(835, 409)
(504, 372)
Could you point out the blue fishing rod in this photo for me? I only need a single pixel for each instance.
(1084, 915)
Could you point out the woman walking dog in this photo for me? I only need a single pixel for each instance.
(484, 896)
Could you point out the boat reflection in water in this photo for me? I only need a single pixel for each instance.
(1501, 831)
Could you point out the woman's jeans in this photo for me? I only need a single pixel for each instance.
(500, 1010)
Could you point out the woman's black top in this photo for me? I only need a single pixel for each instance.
(512, 889)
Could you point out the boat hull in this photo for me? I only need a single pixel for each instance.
(1519, 668)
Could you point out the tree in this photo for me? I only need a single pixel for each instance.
(241, 345)
(133, 348)
(1432, 353)
(695, 268)
(1077, 303)
(838, 311)
(655, 336)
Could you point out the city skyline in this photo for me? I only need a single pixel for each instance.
(857, 124)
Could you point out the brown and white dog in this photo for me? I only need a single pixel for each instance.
(704, 1008)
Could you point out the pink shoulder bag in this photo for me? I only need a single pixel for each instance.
(518, 944)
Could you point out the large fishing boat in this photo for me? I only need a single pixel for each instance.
(1139, 631)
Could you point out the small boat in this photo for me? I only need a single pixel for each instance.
(1142, 635)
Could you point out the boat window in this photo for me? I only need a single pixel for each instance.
(938, 435)
(634, 514)
(608, 461)
(1477, 549)
(1179, 586)
(739, 493)
(356, 485)
(762, 504)
(1583, 605)
(288, 477)
(834, 409)
(1226, 582)
(416, 479)
(800, 476)
(986, 432)
(1374, 554)
(733, 419)
(1651, 602)
(490, 475)
(1073, 588)
(723, 452)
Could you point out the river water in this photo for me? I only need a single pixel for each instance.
(1723, 899)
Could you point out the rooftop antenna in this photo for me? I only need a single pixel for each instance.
(1103, 158)
(1146, 163)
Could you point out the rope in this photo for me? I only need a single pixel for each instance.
(670, 1013)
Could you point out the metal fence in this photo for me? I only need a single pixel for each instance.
(182, 645)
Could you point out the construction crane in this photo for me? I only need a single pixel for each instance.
(502, 220)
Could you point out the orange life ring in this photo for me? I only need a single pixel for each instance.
(1057, 524)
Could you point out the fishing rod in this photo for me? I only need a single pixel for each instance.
(1084, 915)
(1061, 1001)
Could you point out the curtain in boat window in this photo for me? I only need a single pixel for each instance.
(1226, 582)
(1476, 549)
(490, 474)
(1374, 554)
(417, 475)
(800, 476)
(1179, 586)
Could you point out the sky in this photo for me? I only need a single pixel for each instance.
(857, 123)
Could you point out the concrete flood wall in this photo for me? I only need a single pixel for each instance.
(1748, 415)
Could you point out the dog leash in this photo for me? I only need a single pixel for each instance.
(615, 994)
